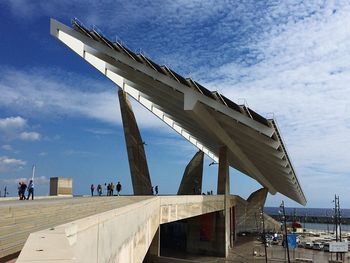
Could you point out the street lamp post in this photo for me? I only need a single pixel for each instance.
(264, 233)
(285, 229)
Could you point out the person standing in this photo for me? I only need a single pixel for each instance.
(19, 188)
(108, 189)
(30, 190)
(92, 188)
(99, 190)
(156, 189)
(119, 188)
(112, 189)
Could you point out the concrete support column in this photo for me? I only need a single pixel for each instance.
(224, 188)
(191, 183)
(223, 174)
(141, 180)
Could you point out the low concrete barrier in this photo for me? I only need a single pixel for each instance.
(119, 235)
(13, 198)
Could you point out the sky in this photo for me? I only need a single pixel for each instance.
(288, 59)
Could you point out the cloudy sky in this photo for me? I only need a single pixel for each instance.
(289, 59)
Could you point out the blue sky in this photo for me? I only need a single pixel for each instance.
(286, 58)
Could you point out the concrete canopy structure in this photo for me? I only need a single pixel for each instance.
(207, 119)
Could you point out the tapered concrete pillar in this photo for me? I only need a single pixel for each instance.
(224, 188)
(253, 209)
(191, 183)
(258, 197)
(140, 177)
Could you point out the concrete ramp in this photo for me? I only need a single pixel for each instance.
(119, 235)
(20, 218)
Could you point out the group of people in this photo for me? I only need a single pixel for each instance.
(22, 187)
(109, 189)
(155, 190)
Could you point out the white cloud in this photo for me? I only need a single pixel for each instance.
(303, 78)
(184, 149)
(30, 136)
(14, 181)
(42, 91)
(100, 131)
(10, 164)
(12, 128)
(11, 124)
(7, 147)
(71, 152)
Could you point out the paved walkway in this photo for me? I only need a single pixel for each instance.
(243, 252)
(245, 246)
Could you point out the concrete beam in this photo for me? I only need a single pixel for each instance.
(207, 120)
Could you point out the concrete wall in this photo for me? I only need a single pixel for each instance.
(61, 186)
(181, 207)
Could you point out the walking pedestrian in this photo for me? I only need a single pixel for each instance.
(23, 191)
(92, 188)
(30, 190)
(156, 189)
(119, 188)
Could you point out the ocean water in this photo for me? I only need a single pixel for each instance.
(307, 211)
(325, 227)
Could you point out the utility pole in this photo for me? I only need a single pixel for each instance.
(337, 222)
(285, 229)
(264, 233)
